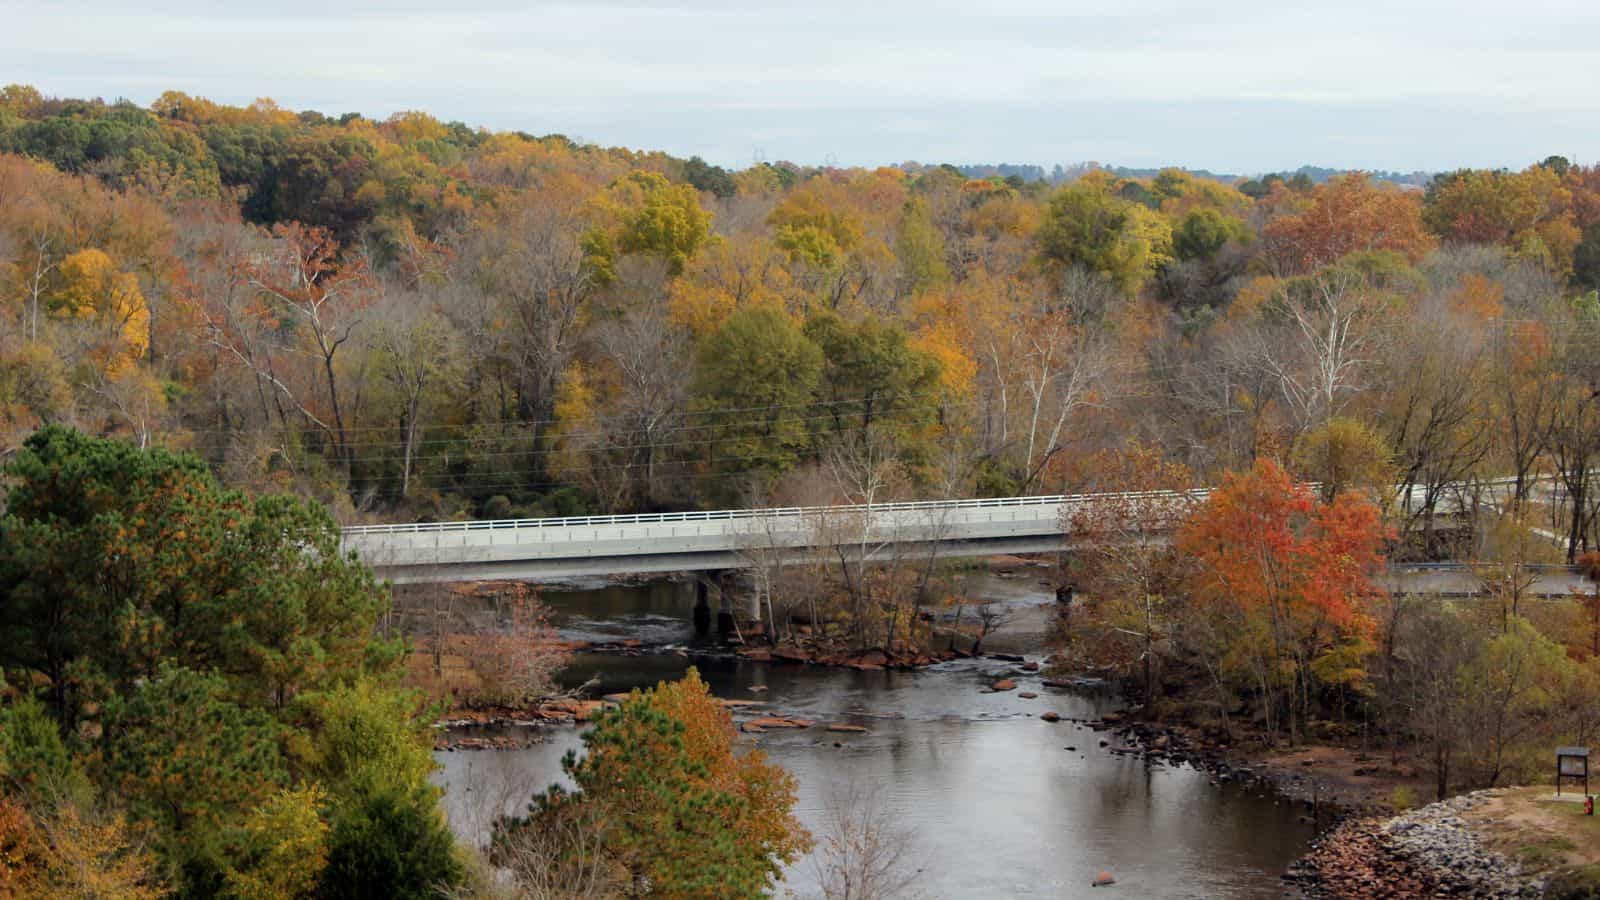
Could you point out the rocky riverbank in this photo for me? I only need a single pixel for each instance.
(1329, 782)
(1428, 852)
(868, 660)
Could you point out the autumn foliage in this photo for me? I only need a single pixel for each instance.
(1295, 572)
(1349, 214)
(676, 804)
(196, 699)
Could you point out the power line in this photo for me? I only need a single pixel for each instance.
(529, 423)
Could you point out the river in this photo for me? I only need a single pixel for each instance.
(991, 800)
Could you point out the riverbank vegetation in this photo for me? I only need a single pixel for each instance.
(479, 647)
(199, 698)
(1264, 622)
(663, 804)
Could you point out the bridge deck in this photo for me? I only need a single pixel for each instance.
(721, 539)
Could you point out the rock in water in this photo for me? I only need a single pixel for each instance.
(1104, 879)
(1050, 716)
(1004, 684)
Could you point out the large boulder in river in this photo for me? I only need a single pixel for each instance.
(869, 659)
(1004, 684)
(790, 653)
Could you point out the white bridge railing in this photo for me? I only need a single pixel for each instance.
(782, 512)
(725, 538)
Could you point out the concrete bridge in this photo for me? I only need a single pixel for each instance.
(714, 542)
(539, 549)
(709, 541)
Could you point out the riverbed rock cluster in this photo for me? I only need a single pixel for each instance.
(869, 660)
(507, 728)
(1428, 852)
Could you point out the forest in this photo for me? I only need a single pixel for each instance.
(222, 323)
(413, 320)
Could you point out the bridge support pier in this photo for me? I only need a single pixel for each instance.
(725, 616)
(1064, 598)
(702, 606)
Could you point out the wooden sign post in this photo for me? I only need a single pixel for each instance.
(1572, 762)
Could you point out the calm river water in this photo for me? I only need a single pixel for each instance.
(991, 800)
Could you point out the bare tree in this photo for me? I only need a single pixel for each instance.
(1122, 557)
(649, 354)
(306, 280)
(419, 357)
(991, 618)
(530, 256)
(560, 855)
(1064, 360)
(1434, 645)
(1507, 562)
(867, 472)
(1327, 345)
(864, 854)
(1432, 415)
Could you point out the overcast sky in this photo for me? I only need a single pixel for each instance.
(1231, 85)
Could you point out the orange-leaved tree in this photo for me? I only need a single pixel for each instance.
(1350, 213)
(1294, 576)
(675, 806)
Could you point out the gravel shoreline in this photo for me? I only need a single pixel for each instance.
(1323, 802)
(1428, 852)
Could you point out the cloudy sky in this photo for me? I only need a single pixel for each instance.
(1232, 85)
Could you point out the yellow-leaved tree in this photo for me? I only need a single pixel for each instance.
(286, 847)
(92, 289)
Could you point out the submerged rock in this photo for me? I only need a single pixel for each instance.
(766, 722)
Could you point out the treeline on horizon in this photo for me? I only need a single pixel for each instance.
(1060, 173)
(417, 319)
